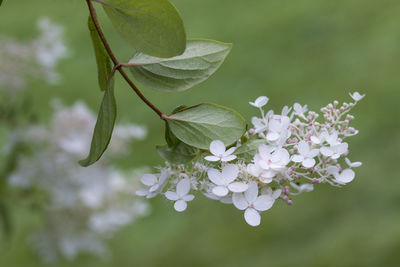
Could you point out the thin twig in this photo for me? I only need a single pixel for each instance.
(118, 65)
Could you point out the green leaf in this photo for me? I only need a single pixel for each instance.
(171, 139)
(102, 59)
(199, 61)
(249, 149)
(104, 126)
(153, 27)
(199, 125)
(180, 154)
(1, 2)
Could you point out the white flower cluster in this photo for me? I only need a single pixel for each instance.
(85, 205)
(283, 155)
(37, 57)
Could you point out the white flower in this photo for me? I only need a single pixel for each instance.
(353, 164)
(302, 188)
(181, 195)
(268, 162)
(356, 96)
(344, 177)
(260, 125)
(252, 203)
(334, 151)
(260, 102)
(225, 180)
(273, 194)
(306, 155)
(299, 110)
(217, 148)
(155, 184)
(278, 131)
(336, 148)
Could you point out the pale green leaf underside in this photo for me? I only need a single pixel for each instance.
(179, 154)
(102, 59)
(153, 27)
(199, 61)
(249, 149)
(104, 126)
(198, 126)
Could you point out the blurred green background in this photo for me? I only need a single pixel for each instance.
(309, 51)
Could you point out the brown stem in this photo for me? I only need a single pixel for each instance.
(118, 65)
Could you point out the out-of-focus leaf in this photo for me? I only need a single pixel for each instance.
(153, 27)
(104, 126)
(103, 61)
(249, 149)
(179, 154)
(199, 125)
(199, 61)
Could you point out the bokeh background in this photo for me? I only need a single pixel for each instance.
(309, 51)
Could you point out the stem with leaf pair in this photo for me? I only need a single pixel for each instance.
(118, 65)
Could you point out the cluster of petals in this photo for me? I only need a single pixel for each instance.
(285, 155)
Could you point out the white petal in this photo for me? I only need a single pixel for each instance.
(303, 148)
(356, 164)
(252, 217)
(263, 203)
(142, 192)
(346, 176)
(171, 195)
(215, 176)
(188, 198)
(313, 153)
(229, 151)
(238, 187)
(220, 191)
(228, 158)
(332, 170)
(308, 162)
(277, 193)
(348, 162)
(265, 180)
(163, 177)
(217, 147)
(180, 205)
(252, 192)
(154, 188)
(183, 187)
(239, 201)
(261, 101)
(148, 179)
(212, 158)
(229, 173)
(326, 151)
(273, 136)
(315, 140)
(297, 158)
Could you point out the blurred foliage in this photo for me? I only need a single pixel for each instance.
(310, 51)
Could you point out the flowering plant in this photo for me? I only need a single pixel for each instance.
(283, 155)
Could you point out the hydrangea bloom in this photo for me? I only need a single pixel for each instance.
(86, 205)
(291, 151)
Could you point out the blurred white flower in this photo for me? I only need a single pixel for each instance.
(302, 188)
(154, 184)
(85, 205)
(225, 180)
(353, 164)
(341, 177)
(181, 195)
(217, 148)
(260, 102)
(252, 204)
(356, 96)
(300, 110)
(306, 155)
